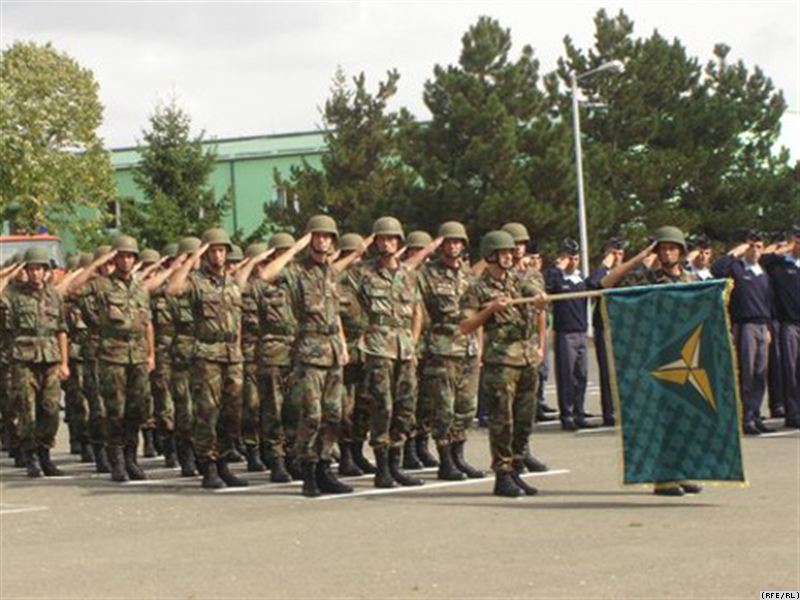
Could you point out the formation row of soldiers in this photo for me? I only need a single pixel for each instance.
(294, 357)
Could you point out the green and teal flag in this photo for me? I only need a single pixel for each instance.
(673, 379)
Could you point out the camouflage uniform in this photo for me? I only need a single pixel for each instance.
(318, 356)
(160, 377)
(355, 411)
(510, 362)
(449, 388)
(34, 318)
(6, 413)
(251, 404)
(76, 403)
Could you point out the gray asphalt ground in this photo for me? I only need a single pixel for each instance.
(583, 536)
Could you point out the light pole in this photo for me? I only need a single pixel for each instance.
(615, 66)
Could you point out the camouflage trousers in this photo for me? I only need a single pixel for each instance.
(37, 392)
(448, 397)
(217, 396)
(390, 389)
(76, 405)
(279, 413)
(317, 392)
(97, 409)
(181, 393)
(9, 431)
(355, 408)
(510, 394)
(124, 389)
(162, 417)
(251, 405)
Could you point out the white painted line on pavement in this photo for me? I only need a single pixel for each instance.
(778, 434)
(20, 509)
(428, 486)
(595, 430)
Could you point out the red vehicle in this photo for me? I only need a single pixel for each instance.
(18, 244)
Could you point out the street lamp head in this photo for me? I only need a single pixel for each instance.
(615, 66)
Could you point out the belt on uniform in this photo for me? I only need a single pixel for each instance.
(384, 321)
(279, 329)
(35, 332)
(220, 336)
(444, 328)
(321, 328)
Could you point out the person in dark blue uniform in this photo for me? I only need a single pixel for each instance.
(783, 266)
(750, 311)
(775, 391)
(699, 258)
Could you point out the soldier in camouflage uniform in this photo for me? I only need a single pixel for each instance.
(126, 356)
(320, 352)
(15, 276)
(510, 357)
(387, 292)
(661, 263)
(72, 400)
(450, 377)
(39, 360)
(148, 259)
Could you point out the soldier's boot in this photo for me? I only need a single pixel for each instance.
(265, 453)
(211, 478)
(254, 464)
(347, 466)
(424, 453)
(397, 474)
(32, 463)
(361, 461)
(533, 464)
(48, 468)
(516, 477)
(278, 472)
(295, 468)
(410, 459)
(310, 488)
(169, 450)
(327, 481)
(186, 459)
(132, 468)
(20, 460)
(229, 478)
(101, 459)
(74, 441)
(238, 453)
(87, 454)
(158, 444)
(149, 450)
(447, 470)
(383, 476)
(118, 472)
(505, 486)
(457, 451)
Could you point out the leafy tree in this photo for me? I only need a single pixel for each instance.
(52, 162)
(173, 174)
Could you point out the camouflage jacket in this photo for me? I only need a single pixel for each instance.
(34, 318)
(77, 328)
(122, 313)
(441, 289)
(314, 296)
(354, 321)
(250, 326)
(163, 326)
(388, 299)
(87, 303)
(183, 342)
(216, 304)
(509, 336)
(656, 277)
(277, 326)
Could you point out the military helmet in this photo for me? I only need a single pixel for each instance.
(73, 260)
(217, 236)
(101, 250)
(281, 240)
(418, 239)
(235, 254)
(350, 241)
(670, 234)
(388, 226)
(518, 232)
(453, 230)
(496, 240)
(125, 243)
(254, 250)
(37, 256)
(86, 259)
(189, 244)
(322, 224)
(170, 250)
(149, 255)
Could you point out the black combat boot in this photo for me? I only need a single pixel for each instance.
(186, 459)
(457, 450)
(516, 476)
(398, 475)
(149, 450)
(169, 450)
(278, 472)
(254, 464)
(310, 489)
(229, 478)
(424, 453)
(132, 467)
(505, 486)
(18, 454)
(361, 461)
(410, 459)
(447, 470)
(294, 467)
(74, 441)
(48, 468)
(117, 464)
(211, 478)
(327, 481)
(87, 454)
(383, 476)
(347, 467)
(32, 463)
(533, 464)
(101, 459)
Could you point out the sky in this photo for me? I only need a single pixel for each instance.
(252, 68)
